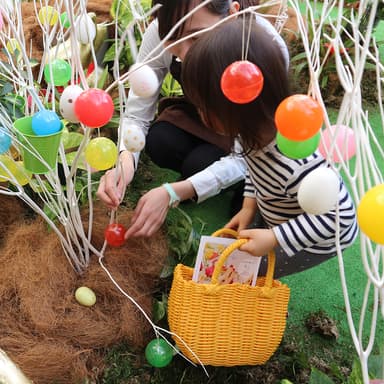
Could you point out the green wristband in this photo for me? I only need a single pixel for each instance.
(174, 199)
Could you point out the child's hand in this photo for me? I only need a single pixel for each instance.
(261, 241)
(242, 219)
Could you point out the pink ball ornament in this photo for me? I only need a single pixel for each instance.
(94, 107)
(242, 81)
(343, 148)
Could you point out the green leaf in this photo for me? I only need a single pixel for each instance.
(160, 308)
(318, 377)
(70, 157)
(103, 78)
(71, 140)
(356, 376)
(376, 366)
(6, 88)
(110, 54)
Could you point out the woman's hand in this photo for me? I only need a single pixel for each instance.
(261, 241)
(149, 214)
(152, 209)
(245, 216)
(114, 182)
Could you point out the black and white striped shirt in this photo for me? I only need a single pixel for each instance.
(273, 179)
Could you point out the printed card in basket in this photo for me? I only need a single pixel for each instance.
(240, 267)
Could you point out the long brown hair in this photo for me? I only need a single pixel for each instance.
(171, 11)
(202, 69)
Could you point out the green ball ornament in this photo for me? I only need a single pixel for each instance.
(159, 353)
(65, 20)
(297, 149)
(57, 72)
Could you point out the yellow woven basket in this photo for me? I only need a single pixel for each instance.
(228, 324)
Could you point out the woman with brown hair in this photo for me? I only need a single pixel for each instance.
(177, 139)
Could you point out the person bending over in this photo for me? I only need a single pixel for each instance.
(177, 139)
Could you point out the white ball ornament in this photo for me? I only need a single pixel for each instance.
(318, 191)
(143, 80)
(133, 138)
(67, 102)
(85, 29)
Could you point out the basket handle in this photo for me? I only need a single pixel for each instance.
(237, 244)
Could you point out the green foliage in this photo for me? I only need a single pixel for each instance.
(328, 80)
(170, 87)
(121, 11)
(318, 377)
(13, 103)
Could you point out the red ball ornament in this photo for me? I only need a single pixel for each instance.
(94, 107)
(299, 117)
(114, 234)
(242, 81)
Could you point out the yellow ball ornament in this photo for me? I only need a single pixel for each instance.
(22, 176)
(13, 46)
(7, 168)
(101, 153)
(370, 214)
(48, 15)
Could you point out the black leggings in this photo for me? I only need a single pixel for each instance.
(171, 147)
(287, 265)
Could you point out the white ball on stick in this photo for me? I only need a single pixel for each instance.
(318, 192)
(143, 80)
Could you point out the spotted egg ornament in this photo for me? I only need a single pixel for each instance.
(143, 80)
(67, 102)
(133, 138)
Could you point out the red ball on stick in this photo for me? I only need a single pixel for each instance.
(242, 81)
(114, 234)
(94, 107)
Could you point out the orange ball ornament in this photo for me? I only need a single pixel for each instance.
(299, 117)
(242, 81)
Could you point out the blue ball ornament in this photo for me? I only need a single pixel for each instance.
(45, 122)
(5, 140)
(159, 353)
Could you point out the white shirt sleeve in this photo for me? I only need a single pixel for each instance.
(141, 111)
(219, 175)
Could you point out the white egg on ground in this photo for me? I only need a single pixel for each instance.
(133, 138)
(85, 29)
(67, 102)
(143, 80)
(318, 191)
